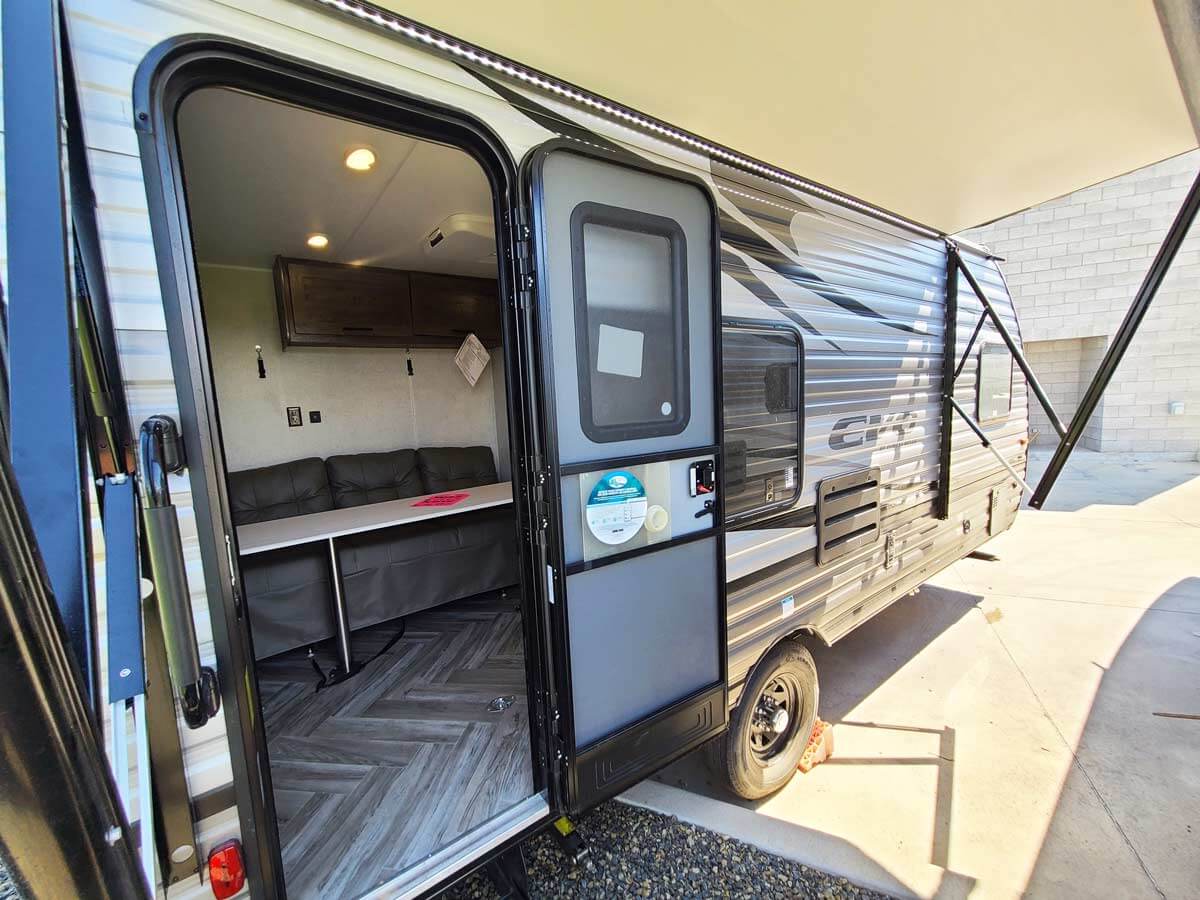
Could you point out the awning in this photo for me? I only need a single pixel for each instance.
(950, 113)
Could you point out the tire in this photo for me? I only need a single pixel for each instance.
(754, 760)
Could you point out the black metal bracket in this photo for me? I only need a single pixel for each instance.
(570, 844)
(508, 874)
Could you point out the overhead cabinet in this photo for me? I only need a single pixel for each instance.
(335, 305)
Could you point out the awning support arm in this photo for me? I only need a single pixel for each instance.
(1013, 347)
(979, 433)
(970, 345)
(1121, 340)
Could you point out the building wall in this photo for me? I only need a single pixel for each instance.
(366, 398)
(1064, 368)
(1074, 265)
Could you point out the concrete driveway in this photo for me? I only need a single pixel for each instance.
(1023, 725)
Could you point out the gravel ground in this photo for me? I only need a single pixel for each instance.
(638, 853)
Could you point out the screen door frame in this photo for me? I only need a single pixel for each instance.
(645, 745)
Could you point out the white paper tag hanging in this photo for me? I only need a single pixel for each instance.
(471, 359)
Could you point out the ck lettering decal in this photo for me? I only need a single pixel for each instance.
(864, 430)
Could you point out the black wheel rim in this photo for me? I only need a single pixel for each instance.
(767, 736)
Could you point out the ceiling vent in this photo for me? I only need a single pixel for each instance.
(462, 237)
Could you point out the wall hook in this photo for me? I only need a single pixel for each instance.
(262, 367)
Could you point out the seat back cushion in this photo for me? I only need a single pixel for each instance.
(293, 488)
(360, 478)
(454, 468)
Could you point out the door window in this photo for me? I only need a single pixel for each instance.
(630, 281)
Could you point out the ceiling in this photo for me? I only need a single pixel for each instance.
(261, 176)
(951, 112)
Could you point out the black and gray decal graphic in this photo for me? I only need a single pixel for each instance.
(744, 275)
(761, 250)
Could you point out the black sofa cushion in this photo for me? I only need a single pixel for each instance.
(293, 488)
(361, 478)
(287, 590)
(403, 570)
(288, 596)
(455, 468)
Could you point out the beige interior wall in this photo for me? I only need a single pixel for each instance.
(366, 399)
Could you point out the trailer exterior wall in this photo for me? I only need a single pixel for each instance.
(866, 296)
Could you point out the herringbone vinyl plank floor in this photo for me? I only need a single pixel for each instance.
(376, 773)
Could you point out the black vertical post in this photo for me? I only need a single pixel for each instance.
(45, 445)
(1121, 340)
(949, 356)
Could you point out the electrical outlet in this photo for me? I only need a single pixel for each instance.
(295, 420)
(314, 416)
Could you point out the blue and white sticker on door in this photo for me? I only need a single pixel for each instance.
(616, 508)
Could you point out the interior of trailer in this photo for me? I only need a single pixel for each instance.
(348, 283)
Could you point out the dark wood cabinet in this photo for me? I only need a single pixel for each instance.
(453, 306)
(335, 305)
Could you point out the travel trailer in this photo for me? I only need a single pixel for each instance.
(494, 446)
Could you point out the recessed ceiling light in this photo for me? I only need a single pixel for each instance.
(317, 241)
(361, 159)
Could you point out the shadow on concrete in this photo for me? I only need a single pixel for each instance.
(1111, 479)
(849, 673)
(1136, 766)
(851, 670)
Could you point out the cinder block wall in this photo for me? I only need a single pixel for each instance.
(1073, 265)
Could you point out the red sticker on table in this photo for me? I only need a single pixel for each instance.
(443, 499)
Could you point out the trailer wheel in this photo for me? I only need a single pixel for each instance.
(771, 725)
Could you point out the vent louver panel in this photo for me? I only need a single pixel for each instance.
(847, 513)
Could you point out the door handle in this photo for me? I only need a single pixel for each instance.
(710, 509)
(159, 453)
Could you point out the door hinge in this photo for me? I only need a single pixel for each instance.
(233, 582)
(520, 238)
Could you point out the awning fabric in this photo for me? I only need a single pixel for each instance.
(950, 112)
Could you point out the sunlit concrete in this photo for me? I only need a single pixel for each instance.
(997, 734)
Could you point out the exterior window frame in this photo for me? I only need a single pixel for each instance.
(983, 348)
(767, 510)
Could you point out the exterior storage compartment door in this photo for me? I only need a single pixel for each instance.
(628, 326)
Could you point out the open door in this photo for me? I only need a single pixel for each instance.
(628, 322)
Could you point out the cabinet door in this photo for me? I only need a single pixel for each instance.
(345, 305)
(451, 307)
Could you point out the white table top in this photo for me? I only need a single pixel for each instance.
(259, 537)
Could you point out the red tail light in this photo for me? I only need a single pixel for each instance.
(226, 872)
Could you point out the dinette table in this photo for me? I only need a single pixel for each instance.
(328, 526)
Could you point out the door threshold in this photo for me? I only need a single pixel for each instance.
(421, 876)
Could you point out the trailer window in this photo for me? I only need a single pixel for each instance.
(993, 393)
(763, 408)
(630, 322)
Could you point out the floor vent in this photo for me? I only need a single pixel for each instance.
(847, 513)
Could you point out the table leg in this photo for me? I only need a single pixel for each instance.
(341, 618)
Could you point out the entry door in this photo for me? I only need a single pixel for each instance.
(628, 319)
